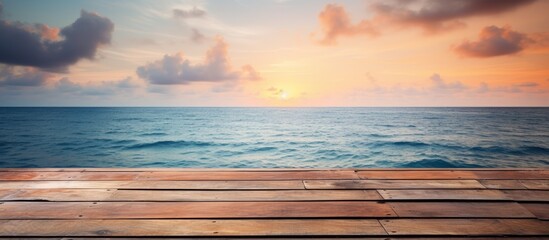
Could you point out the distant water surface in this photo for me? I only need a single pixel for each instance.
(274, 137)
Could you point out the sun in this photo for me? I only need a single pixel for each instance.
(283, 95)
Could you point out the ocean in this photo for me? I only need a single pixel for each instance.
(274, 137)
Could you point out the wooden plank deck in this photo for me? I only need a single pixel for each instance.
(85, 203)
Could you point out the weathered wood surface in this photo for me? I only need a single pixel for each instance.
(259, 203)
(173, 210)
(392, 184)
(469, 227)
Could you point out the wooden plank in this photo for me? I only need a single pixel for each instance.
(460, 210)
(527, 195)
(199, 185)
(454, 174)
(437, 194)
(540, 174)
(175, 210)
(467, 227)
(295, 175)
(392, 184)
(60, 195)
(502, 184)
(277, 195)
(4, 193)
(540, 210)
(516, 184)
(206, 228)
(182, 195)
(417, 175)
(536, 184)
(66, 176)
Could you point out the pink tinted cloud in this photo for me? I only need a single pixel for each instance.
(335, 22)
(495, 41)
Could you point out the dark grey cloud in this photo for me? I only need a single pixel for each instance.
(65, 85)
(50, 48)
(494, 41)
(432, 16)
(176, 69)
(436, 15)
(22, 76)
(190, 13)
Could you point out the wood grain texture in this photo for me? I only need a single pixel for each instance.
(460, 210)
(467, 227)
(175, 210)
(198, 185)
(502, 184)
(535, 184)
(207, 228)
(444, 194)
(411, 175)
(295, 175)
(266, 203)
(392, 184)
(63, 195)
(540, 210)
(454, 174)
(527, 195)
(537, 174)
(67, 176)
(249, 195)
(60, 195)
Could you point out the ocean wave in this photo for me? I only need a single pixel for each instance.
(520, 151)
(155, 134)
(437, 163)
(263, 149)
(399, 144)
(170, 144)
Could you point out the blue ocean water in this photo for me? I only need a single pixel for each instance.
(274, 137)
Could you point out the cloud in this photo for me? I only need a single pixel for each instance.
(525, 87)
(22, 76)
(439, 85)
(97, 89)
(249, 72)
(494, 41)
(52, 49)
(335, 22)
(432, 16)
(435, 16)
(197, 36)
(176, 69)
(191, 13)
(527, 84)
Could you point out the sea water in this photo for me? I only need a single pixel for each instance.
(274, 137)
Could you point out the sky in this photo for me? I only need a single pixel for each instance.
(269, 53)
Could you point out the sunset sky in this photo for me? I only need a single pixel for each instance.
(274, 53)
